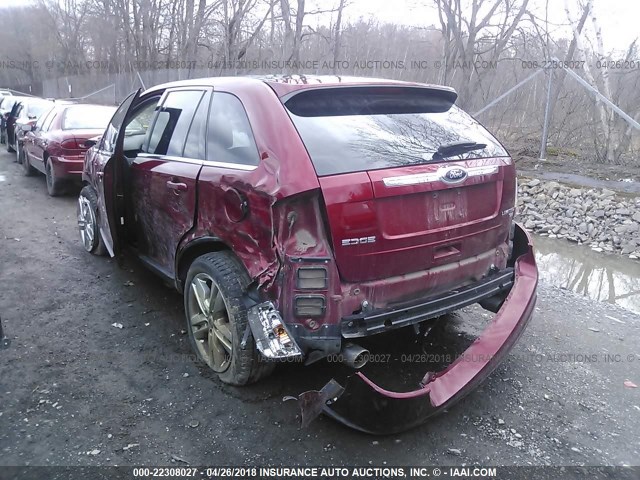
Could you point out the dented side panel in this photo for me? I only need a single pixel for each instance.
(284, 170)
(161, 212)
(302, 242)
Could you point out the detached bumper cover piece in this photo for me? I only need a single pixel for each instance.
(370, 408)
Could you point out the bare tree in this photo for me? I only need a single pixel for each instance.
(336, 35)
(472, 30)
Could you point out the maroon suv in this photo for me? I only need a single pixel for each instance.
(300, 214)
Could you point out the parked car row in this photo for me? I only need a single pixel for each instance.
(11, 108)
(50, 136)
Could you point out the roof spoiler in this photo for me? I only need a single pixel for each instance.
(369, 100)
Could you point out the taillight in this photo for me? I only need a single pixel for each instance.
(71, 144)
(309, 305)
(312, 278)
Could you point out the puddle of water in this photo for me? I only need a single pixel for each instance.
(2, 178)
(607, 278)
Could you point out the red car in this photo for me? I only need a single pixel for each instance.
(298, 215)
(22, 119)
(58, 141)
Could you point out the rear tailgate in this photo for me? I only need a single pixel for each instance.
(425, 222)
(393, 205)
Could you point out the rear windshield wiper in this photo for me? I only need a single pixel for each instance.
(457, 148)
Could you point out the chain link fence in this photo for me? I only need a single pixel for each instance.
(522, 114)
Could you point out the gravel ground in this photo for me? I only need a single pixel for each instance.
(75, 390)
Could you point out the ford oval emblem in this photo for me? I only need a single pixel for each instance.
(454, 175)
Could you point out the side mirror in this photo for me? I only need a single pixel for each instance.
(90, 143)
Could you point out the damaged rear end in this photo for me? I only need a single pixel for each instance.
(373, 407)
(413, 220)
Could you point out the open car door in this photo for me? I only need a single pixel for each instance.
(109, 177)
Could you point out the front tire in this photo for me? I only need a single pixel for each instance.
(18, 153)
(87, 214)
(217, 319)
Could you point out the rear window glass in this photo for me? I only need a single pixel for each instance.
(8, 103)
(87, 117)
(339, 141)
(37, 109)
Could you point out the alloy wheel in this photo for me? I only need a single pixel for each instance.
(86, 223)
(209, 320)
(48, 175)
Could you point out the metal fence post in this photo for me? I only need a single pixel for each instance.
(507, 93)
(547, 112)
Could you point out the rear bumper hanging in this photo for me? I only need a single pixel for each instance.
(368, 407)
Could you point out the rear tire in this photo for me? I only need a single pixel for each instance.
(217, 319)
(87, 214)
(55, 186)
(27, 169)
(9, 147)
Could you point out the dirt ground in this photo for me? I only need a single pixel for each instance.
(75, 390)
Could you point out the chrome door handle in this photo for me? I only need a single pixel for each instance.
(176, 186)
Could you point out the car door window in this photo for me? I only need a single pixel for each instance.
(110, 136)
(195, 144)
(135, 131)
(173, 121)
(230, 139)
(43, 120)
(48, 122)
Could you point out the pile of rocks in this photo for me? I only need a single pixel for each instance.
(597, 217)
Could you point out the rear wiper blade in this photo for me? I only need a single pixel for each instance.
(456, 148)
